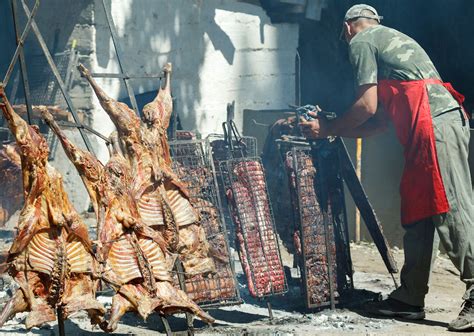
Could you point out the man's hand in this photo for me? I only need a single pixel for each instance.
(315, 129)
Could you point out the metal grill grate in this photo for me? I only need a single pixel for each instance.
(44, 90)
(310, 238)
(245, 185)
(194, 165)
(246, 147)
(220, 152)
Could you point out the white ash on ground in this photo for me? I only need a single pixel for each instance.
(290, 315)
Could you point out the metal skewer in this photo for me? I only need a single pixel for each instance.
(166, 325)
(59, 314)
(270, 310)
(182, 284)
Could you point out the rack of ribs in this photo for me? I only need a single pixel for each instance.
(310, 237)
(194, 166)
(51, 257)
(135, 258)
(256, 237)
(163, 201)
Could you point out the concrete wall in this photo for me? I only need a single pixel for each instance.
(59, 24)
(221, 50)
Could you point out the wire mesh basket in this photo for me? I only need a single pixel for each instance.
(194, 166)
(245, 147)
(319, 249)
(245, 185)
(219, 150)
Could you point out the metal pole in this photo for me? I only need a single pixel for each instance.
(358, 167)
(270, 310)
(19, 43)
(182, 285)
(366, 210)
(59, 313)
(395, 283)
(118, 51)
(166, 325)
(123, 76)
(21, 40)
(55, 71)
(322, 181)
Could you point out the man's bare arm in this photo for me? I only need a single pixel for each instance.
(375, 125)
(361, 111)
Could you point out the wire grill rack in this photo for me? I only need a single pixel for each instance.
(220, 152)
(44, 90)
(310, 239)
(246, 147)
(245, 185)
(194, 165)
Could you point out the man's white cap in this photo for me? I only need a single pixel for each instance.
(355, 12)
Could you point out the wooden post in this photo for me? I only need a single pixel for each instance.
(358, 168)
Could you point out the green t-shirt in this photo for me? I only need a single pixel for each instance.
(380, 52)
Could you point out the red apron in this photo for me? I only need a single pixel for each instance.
(421, 189)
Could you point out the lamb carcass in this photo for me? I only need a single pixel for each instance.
(136, 260)
(51, 256)
(163, 201)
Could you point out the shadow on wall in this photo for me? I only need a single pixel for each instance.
(55, 29)
(213, 56)
(153, 33)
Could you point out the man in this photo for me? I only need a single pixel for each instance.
(391, 68)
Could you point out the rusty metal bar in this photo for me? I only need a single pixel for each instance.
(182, 284)
(123, 76)
(19, 43)
(366, 210)
(321, 183)
(55, 71)
(87, 128)
(21, 40)
(118, 52)
(166, 325)
(270, 310)
(60, 317)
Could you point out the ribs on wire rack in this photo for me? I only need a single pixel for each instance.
(245, 146)
(311, 244)
(194, 166)
(244, 180)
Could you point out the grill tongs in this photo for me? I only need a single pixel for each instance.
(236, 147)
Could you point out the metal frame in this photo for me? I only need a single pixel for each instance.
(226, 168)
(19, 54)
(131, 94)
(56, 74)
(199, 157)
(20, 41)
(123, 74)
(343, 268)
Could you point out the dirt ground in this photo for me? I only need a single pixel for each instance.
(290, 316)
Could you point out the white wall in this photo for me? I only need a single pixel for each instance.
(221, 50)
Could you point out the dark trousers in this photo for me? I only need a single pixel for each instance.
(455, 228)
